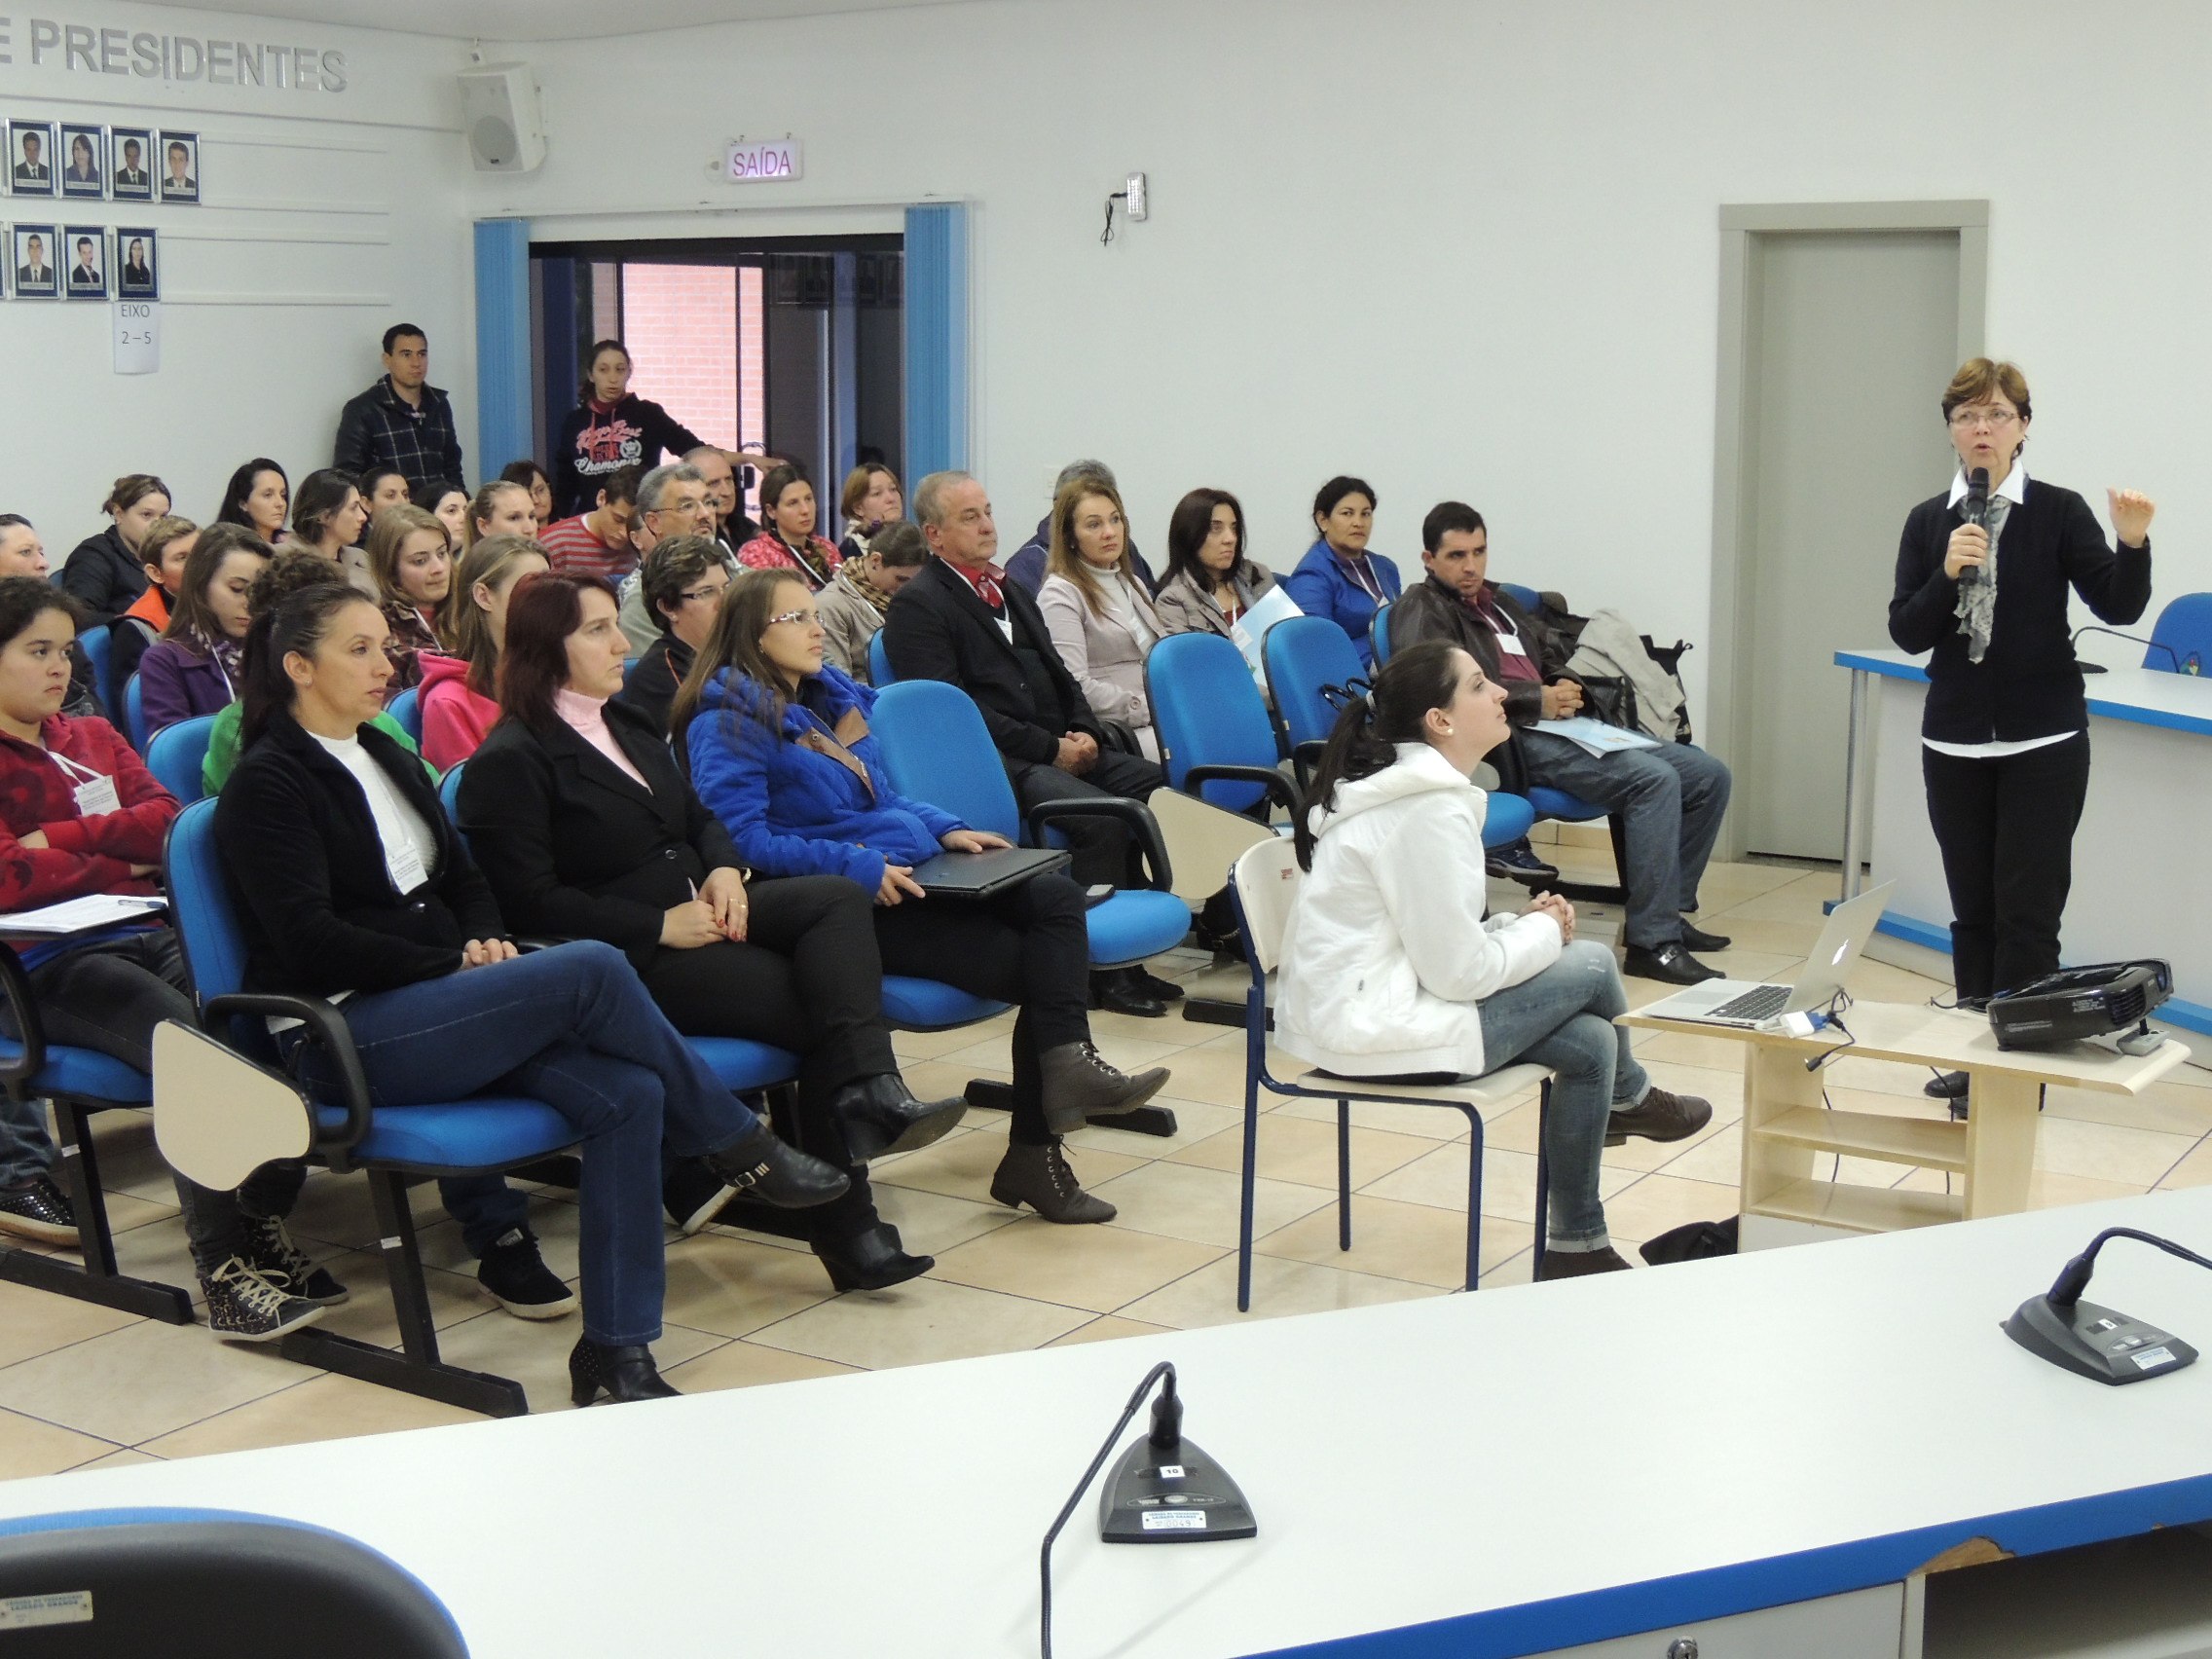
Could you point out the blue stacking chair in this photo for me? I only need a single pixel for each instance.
(879, 668)
(100, 653)
(1527, 598)
(406, 708)
(2182, 640)
(1379, 634)
(135, 714)
(1216, 739)
(79, 1082)
(178, 753)
(184, 1581)
(1262, 885)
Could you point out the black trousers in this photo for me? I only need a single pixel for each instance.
(1102, 850)
(1030, 946)
(2006, 827)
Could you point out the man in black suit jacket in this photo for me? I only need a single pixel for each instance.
(957, 621)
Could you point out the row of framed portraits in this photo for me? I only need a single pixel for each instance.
(83, 262)
(102, 163)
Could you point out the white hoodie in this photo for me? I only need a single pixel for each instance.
(1386, 954)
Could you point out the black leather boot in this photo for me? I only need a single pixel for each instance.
(622, 1374)
(869, 1259)
(768, 1170)
(881, 1116)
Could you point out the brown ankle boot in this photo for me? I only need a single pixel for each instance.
(1039, 1176)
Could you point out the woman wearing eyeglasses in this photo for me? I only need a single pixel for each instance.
(2005, 741)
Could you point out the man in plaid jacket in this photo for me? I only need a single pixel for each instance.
(402, 421)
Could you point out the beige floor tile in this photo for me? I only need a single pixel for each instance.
(1095, 1267)
(2136, 1158)
(121, 1460)
(31, 1446)
(938, 1080)
(1792, 940)
(1658, 1204)
(158, 1251)
(1517, 1269)
(1509, 1182)
(1715, 1157)
(536, 1354)
(934, 1045)
(368, 1317)
(1295, 1148)
(1879, 982)
(2047, 1190)
(1201, 1204)
(961, 1165)
(1430, 1124)
(1195, 1121)
(37, 1321)
(931, 1223)
(745, 1365)
(1210, 1070)
(732, 1288)
(1733, 883)
(145, 1379)
(2194, 1170)
(920, 1321)
(1799, 900)
(325, 1407)
(2169, 1107)
(1279, 1286)
(1397, 1240)
(1174, 1031)
(1109, 1328)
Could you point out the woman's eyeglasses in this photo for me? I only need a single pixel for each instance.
(1966, 417)
(804, 618)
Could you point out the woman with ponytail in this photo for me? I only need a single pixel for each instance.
(1392, 970)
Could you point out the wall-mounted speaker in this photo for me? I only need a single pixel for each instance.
(499, 113)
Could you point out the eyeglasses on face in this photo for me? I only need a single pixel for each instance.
(804, 618)
(1969, 416)
(713, 593)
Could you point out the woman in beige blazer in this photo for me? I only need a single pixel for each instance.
(1101, 623)
(1209, 583)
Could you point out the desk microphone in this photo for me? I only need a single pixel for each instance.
(2096, 1341)
(1975, 512)
(2193, 665)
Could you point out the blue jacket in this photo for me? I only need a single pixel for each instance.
(794, 810)
(1322, 588)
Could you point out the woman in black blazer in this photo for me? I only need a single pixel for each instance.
(587, 831)
(2004, 738)
(355, 888)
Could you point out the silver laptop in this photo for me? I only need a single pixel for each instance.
(1742, 1003)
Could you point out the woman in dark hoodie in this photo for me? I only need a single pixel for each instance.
(610, 430)
(103, 572)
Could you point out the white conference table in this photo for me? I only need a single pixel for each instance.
(2142, 880)
(1495, 1474)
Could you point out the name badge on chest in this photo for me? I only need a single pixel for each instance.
(97, 797)
(404, 864)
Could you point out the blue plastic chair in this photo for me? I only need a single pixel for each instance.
(879, 671)
(165, 1580)
(1379, 634)
(2183, 636)
(134, 713)
(1216, 739)
(1527, 598)
(406, 709)
(480, 1135)
(177, 753)
(99, 651)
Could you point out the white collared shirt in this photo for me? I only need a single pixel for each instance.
(2015, 489)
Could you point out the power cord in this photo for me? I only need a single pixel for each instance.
(1108, 237)
(1044, 1556)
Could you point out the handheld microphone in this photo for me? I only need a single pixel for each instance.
(2194, 664)
(1976, 511)
(2095, 1341)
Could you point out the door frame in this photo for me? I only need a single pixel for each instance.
(1735, 438)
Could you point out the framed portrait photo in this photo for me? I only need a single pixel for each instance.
(38, 272)
(137, 264)
(30, 158)
(84, 161)
(130, 164)
(178, 166)
(84, 261)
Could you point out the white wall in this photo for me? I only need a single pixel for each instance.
(326, 216)
(1465, 248)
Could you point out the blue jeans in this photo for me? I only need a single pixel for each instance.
(1563, 1020)
(574, 1027)
(1671, 798)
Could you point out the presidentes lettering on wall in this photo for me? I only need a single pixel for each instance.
(80, 49)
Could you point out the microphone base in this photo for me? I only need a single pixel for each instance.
(2097, 1342)
(1179, 1497)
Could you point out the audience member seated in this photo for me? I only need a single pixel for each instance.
(586, 830)
(103, 571)
(383, 485)
(1390, 970)
(457, 691)
(413, 570)
(1339, 578)
(193, 669)
(499, 508)
(870, 503)
(448, 503)
(1672, 795)
(402, 421)
(257, 496)
(531, 477)
(1101, 622)
(956, 621)
(724, 499)
(683, 579)
(23, 554)
(672, 501)
(327, 516)
(854, 606)
(1212, 581)
(354, 882)
(778, 749)
(610, 428)
(163, 550)
(788, 541)
(596, 542)
(1026, 567)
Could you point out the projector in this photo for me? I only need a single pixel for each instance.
(2074, 1003)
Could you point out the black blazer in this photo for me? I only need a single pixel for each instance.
(573, 847)
(320, 913)
(2028, 684)
(939, 629)
(650, 688)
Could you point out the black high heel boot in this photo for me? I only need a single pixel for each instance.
(623, 1374)
(881, 1116)
(777, 1174)
(869, 1259)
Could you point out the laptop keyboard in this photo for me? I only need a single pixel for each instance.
(1760, 1002)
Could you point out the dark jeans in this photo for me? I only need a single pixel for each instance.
(2006, 827)
(1030, 945)
(574, 1027)
(1102, 850)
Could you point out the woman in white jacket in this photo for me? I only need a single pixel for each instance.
(1390, 970)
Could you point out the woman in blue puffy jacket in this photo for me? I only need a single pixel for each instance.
(778, 745)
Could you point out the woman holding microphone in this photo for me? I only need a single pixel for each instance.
(2004, 738)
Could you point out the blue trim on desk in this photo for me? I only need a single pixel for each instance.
(1746, 1587)
(2134, 714)
(1882, 666)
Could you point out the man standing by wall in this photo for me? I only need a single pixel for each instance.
(402, 421)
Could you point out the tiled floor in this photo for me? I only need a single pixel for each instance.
(80, 1387)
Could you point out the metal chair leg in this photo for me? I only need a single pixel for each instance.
(1246, 1189)
(1344, 1174)
(97, 1280)
(1474, 1196)
(1543, 1175)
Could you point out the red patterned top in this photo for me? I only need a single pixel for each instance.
(82, 855)
(770, 552)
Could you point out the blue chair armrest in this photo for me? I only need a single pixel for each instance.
(22, 1010)
(327, 1029)
(1133, 813)
(1277, 786)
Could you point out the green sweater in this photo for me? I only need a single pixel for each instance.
(223, 748)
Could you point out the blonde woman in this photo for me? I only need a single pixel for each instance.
(499, 508)
(460, 692)
(413, 570)
(1101, 622)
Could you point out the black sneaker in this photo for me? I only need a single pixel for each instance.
(1519, 862)
(243, 1307)
(515, 1277)
(38, 1209)
(271, 1253)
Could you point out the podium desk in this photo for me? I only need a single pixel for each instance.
(1788, 1124)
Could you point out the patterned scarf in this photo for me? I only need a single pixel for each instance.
(848, 576)
(1977, 609)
